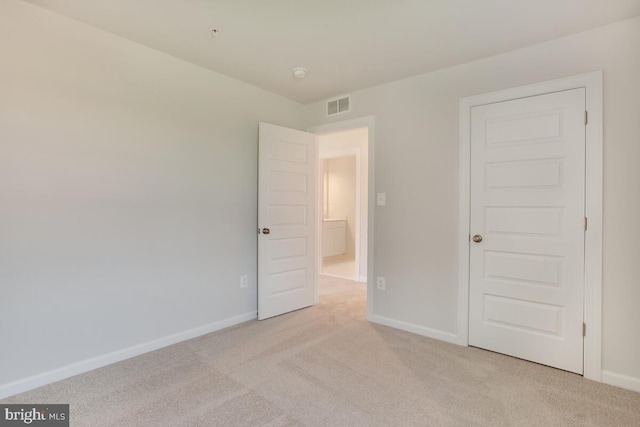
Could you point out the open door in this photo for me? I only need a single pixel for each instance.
(286, 220)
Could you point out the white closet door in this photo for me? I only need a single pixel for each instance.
(527, 206)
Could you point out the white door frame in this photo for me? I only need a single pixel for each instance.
(369, 123)
(592, 82)
(335, 155)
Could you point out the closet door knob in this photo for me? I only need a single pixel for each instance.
(266, 231)
(477, 238)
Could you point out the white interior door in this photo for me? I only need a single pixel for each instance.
(527, 204)
(286, 220)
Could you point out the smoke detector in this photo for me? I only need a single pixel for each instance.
(299, 72)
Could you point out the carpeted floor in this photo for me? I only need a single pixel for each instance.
(327, 366)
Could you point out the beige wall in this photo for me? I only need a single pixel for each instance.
(128, 182)
(416, 152)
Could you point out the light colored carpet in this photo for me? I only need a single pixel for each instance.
(327, 366)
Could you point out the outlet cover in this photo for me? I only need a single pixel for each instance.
(244, 281)
(381, 283)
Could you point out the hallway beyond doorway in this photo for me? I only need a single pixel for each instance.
(339, 266)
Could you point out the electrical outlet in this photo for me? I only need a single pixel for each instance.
(381, 283)
(382, 199)
(244, 281)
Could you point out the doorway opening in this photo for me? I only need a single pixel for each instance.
(353, 137)
(342, 201)
(339, 217)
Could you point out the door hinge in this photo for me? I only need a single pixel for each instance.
(585, 223)
(586, 118)
(584, 329)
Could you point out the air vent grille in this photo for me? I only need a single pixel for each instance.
(338, 105)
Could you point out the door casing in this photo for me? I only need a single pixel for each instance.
(592, 82)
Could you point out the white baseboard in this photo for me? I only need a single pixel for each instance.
(83, 366)
(619, 380)
(416, 329)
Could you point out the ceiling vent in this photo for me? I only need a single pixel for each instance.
(338, 105)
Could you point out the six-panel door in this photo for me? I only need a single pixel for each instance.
(287, 209)
(527, 204)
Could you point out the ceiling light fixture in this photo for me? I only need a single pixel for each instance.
(299, 72)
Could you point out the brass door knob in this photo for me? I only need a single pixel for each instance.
(477, 238)
(266, 231)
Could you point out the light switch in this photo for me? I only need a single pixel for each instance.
(382, 199)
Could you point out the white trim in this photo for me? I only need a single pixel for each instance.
(369, 123)
(592, 82)
(87, 365)
(319, 216)
(593, 236)
(415, 329)
(464, 192)
(619, 380)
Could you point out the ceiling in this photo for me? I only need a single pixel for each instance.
(345, 44)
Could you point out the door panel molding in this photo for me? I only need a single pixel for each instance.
(592, 82)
